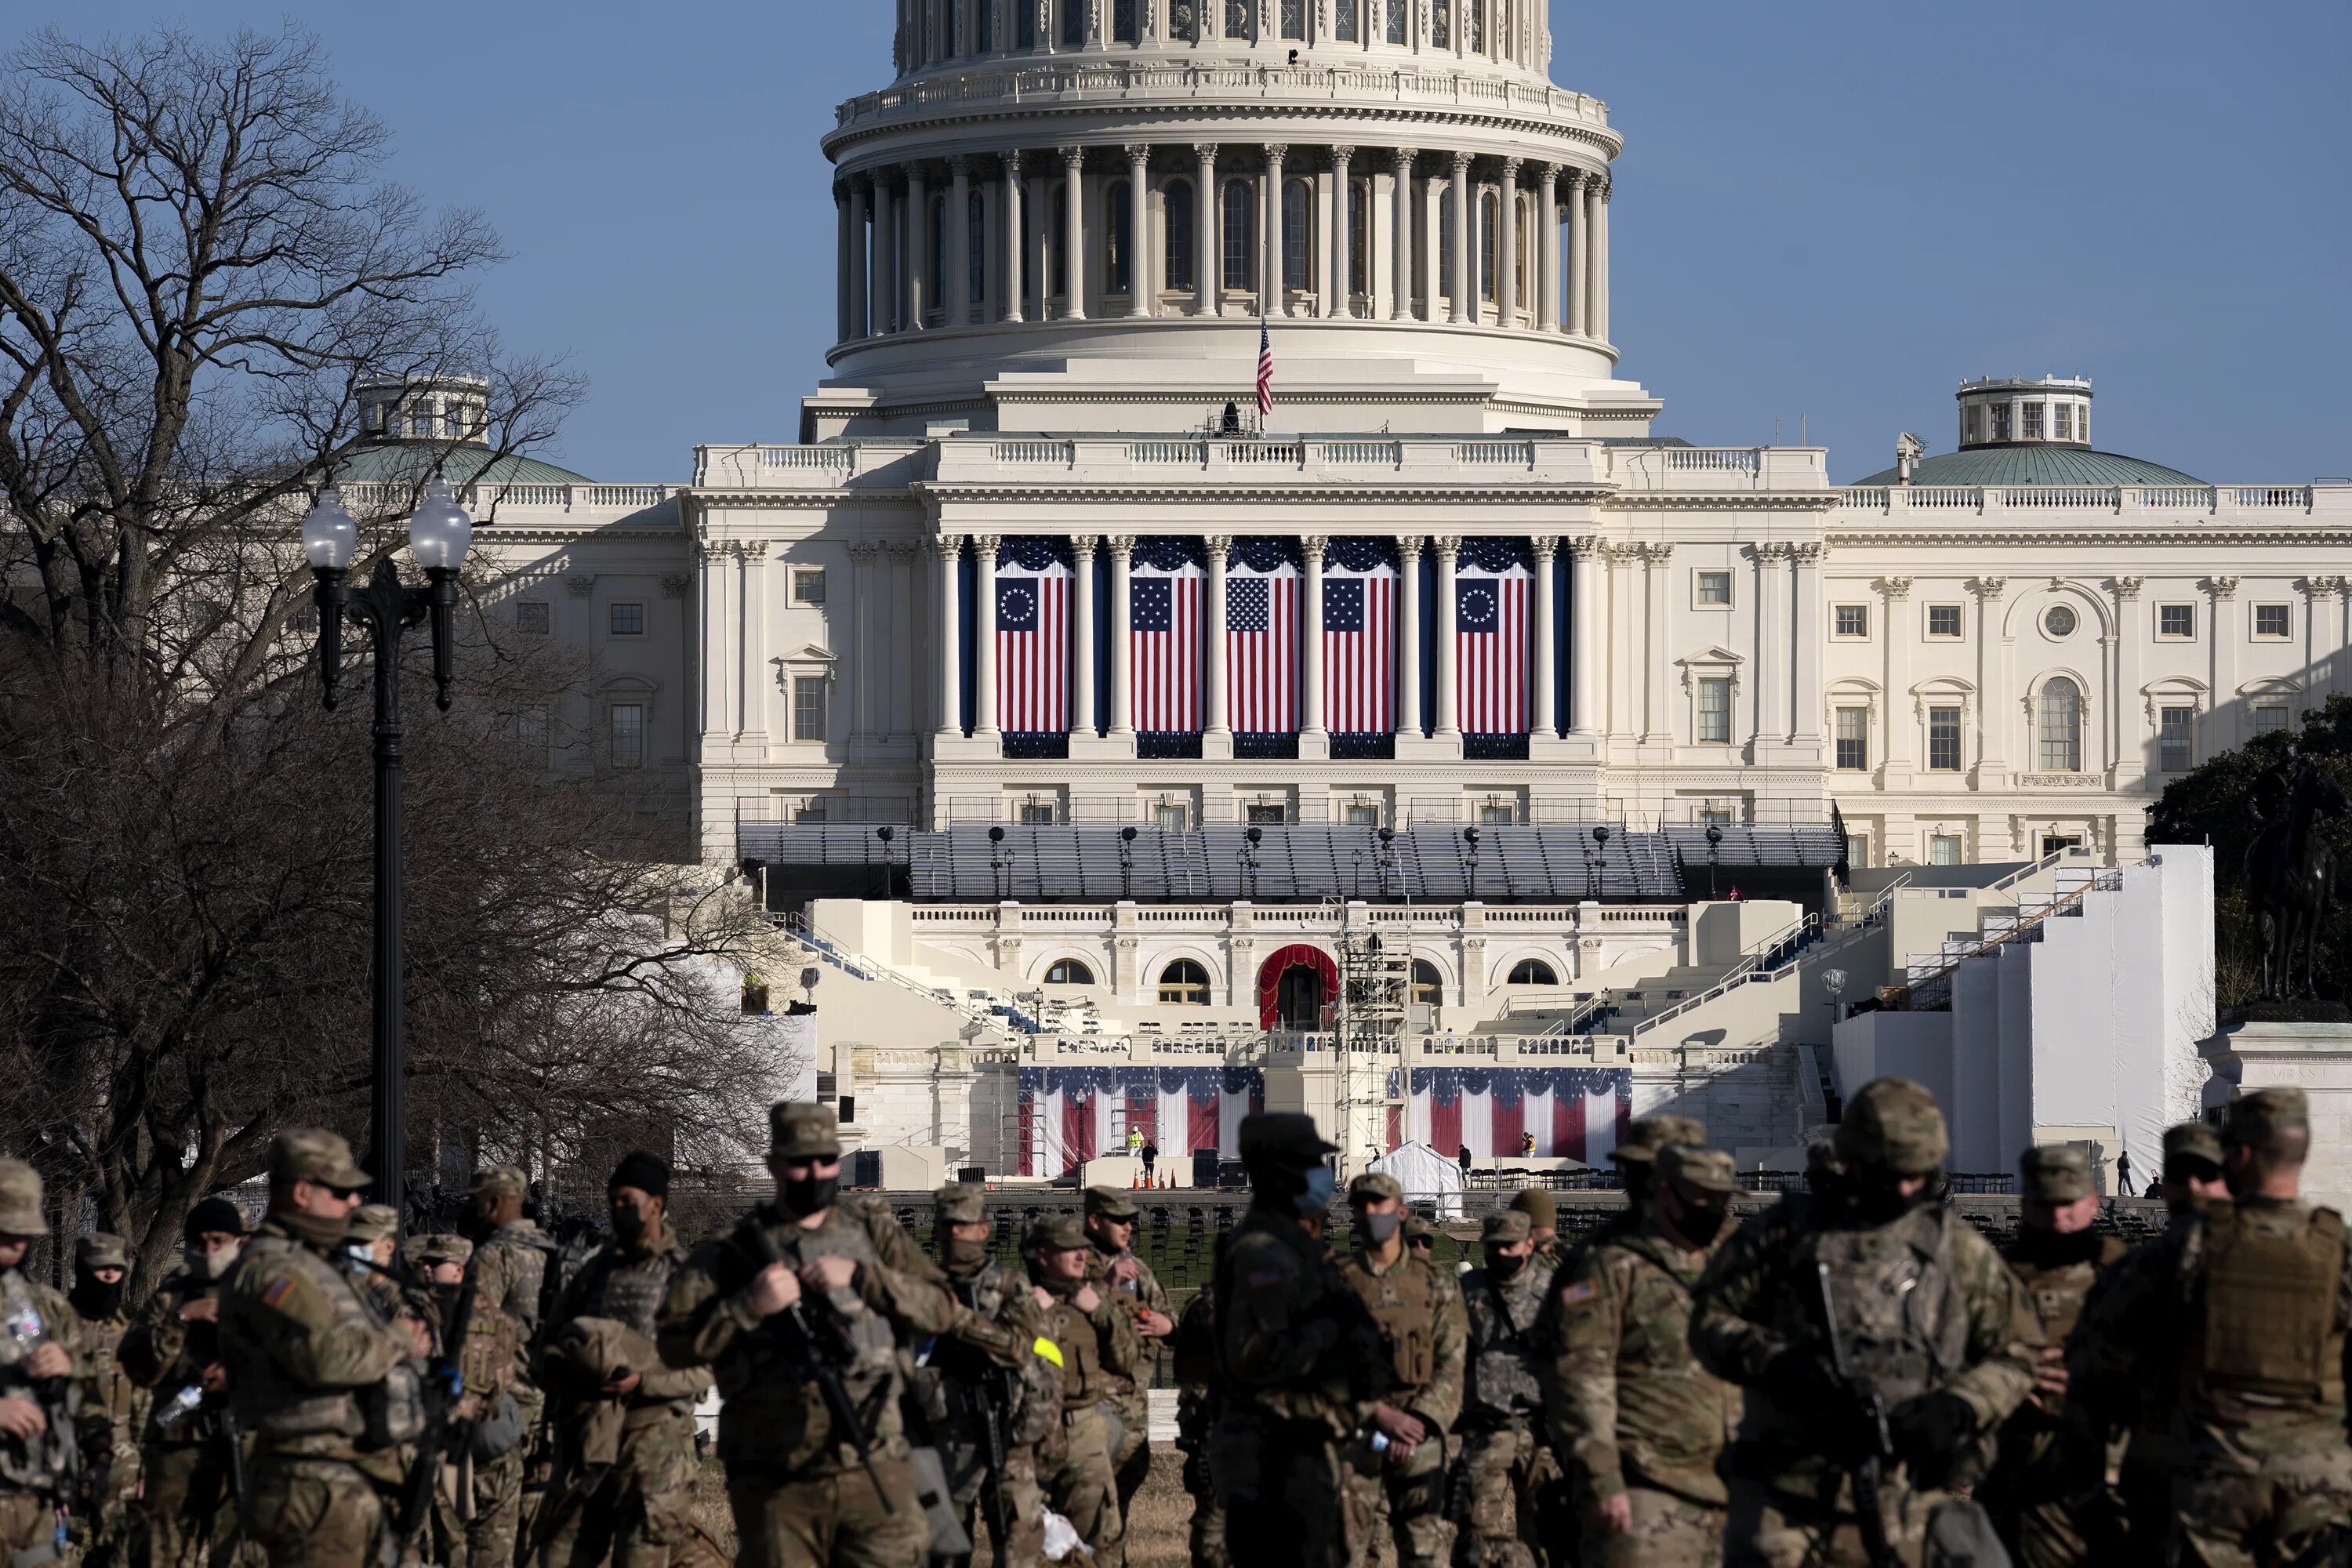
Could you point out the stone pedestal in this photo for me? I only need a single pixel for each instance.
(2315, 1057)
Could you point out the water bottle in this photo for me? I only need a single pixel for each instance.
(182, 1406)
(1379, 1441)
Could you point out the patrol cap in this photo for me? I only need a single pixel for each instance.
(1537, 1203)
(2054, 1174)
(1503, 1229)
(442, 1249)
(314, 1154)
(1375, 1186)
(1056, 1233)
(803, 1129)
(1697, 1169)
(961, 1203)
(373, 1222)
(1417, 1228)
(1282, 1135)
(216, 1215)
(20, 1200)
(1894, 1124)
(1111, 1203)
(1645, 1137)
(101, 1249)
(2257, 1121)
(499, 1181)
(2192, 1140)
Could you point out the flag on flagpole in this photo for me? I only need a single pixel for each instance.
(1265, 370)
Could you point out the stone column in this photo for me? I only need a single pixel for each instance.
(1074, 235)
(867, 671)
(1122, 678)
(882, 296)
(1580, 255)
(984, 547)
(1208, 260)
(1343, 235)
(1408, 649)
(1659, 654)
(2131, 741)
(1310, 639)
(919, 249)
(1400, 241)
(947, 557)
(1506, 264)
(1545, 653)
(1547, 250)
(1772, 651)
(1993, 714)
(956, 306)
(711, 597)
(860, 201)
(1218, 707)
(1085, 719)
(1585, 646)
(1037, 222)
(1596, 310)
(1272, 299)
(1012, 218)
(754, 682)
(1894, 750)
(1464, 280)
(1139, 226)
(1813, 633)
(1448, 553)
(2221, 624)
(843, 201)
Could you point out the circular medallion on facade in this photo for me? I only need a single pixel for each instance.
(2058, 620)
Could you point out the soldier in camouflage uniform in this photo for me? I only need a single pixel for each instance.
(304, 1352)
(1114, 1268)
(2252, 1301)
(1507, 1462)
(114, 1409)
(623, 1422)
(1101, 1351)
(989, 1361)
(797, 1491)
(2046, 1493)
(1931, 1319)
(369, 1254)
(1636, 1159)
(1194, 1347)
(430, 1271)
(1638, 1424)
(1418, 1307)
(1543, 1226)
(43, 1366)
(1421, 1237)
(173, 1350)
(509, 1268)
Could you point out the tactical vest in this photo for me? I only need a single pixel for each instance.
(2059, 1293)
(30, 1317)
(1404, 1302)
(1084, 1380)
(199, 1348)
(1901, 1313)
(627, 1290)
(2269, 1325)
(1502, 1363)
(270, 1403)
(527, 1248)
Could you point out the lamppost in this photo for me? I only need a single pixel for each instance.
(1833, 982)
(1714, 857)
(438, 536)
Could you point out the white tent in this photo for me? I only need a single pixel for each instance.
(1425, 1176)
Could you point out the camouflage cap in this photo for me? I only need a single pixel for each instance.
(1418, 1229)
(100, 1250)
(1538, 1205)
(419, 1249)
(20, 1200)
(1375, 1186)
(803, 1129)
(2054, 1174)
(1698, 1169)
(2253, 1119)
(1283, 1134)
(1054, 1233)
(961, 1203)
(314, 1154)
(499, 1181)
(1894, 1124)
(2192, 1140)
(1644, 1138)
(374, 1222)
(1111, 1203)
(1504, 1228)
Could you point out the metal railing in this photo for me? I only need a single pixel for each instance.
(1933, 993)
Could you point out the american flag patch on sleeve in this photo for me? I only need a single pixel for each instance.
(274, 1294)
(1581, 1290)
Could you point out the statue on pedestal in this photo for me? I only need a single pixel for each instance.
(2289, 871)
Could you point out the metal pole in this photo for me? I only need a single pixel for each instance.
(387, 1129)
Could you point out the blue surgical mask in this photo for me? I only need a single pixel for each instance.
(1317, 1195)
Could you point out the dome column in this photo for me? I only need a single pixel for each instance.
(841, 203)
(1507, 263)
(1272, 298)
(1074, 235)
(1123, 642)
(1343, 235)
(955, 303)
(882, 296)
(1207, 279)
(1547, 250)
(1012, 218)
(1216, 550)
(1037, 238)
(1466, 306)
(1401, 240)
(1596, 312)
(1140, 290)
(1584, 583)
(857, 261)
(918, 248)
(1579, 255)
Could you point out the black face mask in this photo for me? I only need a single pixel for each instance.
(1504, 1264)
(93, 1299)
(1876, 1199)
(1701, 1223)
(2050, 1250)
(628, 1226)
(807, 1194)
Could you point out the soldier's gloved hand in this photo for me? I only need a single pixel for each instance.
(1930, 1432)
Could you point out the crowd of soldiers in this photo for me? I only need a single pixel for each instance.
(1854, 1376)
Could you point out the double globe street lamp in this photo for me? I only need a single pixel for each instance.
(440, 534)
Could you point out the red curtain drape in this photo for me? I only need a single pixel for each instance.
(1567, 1125)
(1510, 1123)
(1396, 1126)
(1201, 1124)
(1445, 1126)
(1077, 1129)
(1269, 979)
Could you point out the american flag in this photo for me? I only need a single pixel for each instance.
(1032, 637)
(1165, 597)
(1265, 370)
(1493, 595)
(1263, 613)
(1360, 621)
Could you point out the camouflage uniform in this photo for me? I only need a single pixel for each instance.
(794, 1483)
(2252, 1301)
(443, 1538)
(1636, 1159)
(510, 1272)
(625, 1468)
(35, 1474)
(1100, 1351)
(1931, 1319)
(1133, 1463)
(187, 1515)
(1194, 1344)
(1633, 1411)
(301, 1345)
(114, 1410)
(2046, 1492)
(989, 1359)
(1507, 1463)
(1418, 1307)
(1543, 1213)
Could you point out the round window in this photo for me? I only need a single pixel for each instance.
(2058, 621)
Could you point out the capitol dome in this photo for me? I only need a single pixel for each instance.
(2019, 432)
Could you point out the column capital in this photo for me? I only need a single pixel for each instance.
(1311, 546)
(1206, 151)
(1545, 546)
(1446, 546)
(1011, 161)
(949, 544)
(1767, 551)
(1461, 163)
(1894, 587)
(2125, 588)
(1072, 158)
(1402, 158)
(1657, 551)
(1276, 151)
(1138, 151)
(901, 550)
(1988, 589)
(1549, 172)
(1812, 553)
(1603, 186)
(862, 553)
(1341, 154)
(985, 545)
(1121, 547)
(1218, 547)
(1511, 167)
(1583, 547)
(1082, 547)
(2220, 587)
(1409, 546)
(959, 165)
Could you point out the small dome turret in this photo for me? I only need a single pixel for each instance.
(2054, 411)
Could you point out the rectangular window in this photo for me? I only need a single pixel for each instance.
(530, 732)
(1272, 814)
(2176, 740)
(1857, 850)
(1943, 739)
(1852, 620)
(1024, 27)
(1125, 27)
(2033, 421)
(1715, 710)
(808, 706)
(1853, 740)
(1396, 20)
(2064, 415)
(1474, 25)
(1172, 818)
(628, 620)
(2000, 421)
(1440, 25)
(1360, 816)
(2269, 720)
(1294, 18)
(1237, 17)
(628, 735)
(1715, 588)
(813, 811)
(2271, 621)
(1074, 24)
(1498, 815)
(2176, 620)
(530, 615)
(1713, 817)
(1944, 849)
(808, 584)
(1184, 20)
(1343, 20)
(1943, 620)
(1036, 814)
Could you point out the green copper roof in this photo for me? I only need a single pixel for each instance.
(395, 462)
(2028, 465)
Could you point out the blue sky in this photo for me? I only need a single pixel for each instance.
(1833, 210)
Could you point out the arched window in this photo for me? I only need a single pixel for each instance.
(2062, 726)
(1176, 266)
(1489, 215)
(1519, 268)
(975, 247)
(1124, 25)
(1185, 983)
(1069, 971)
(1359, 238)
(1117, 256)
(1532, 971)
(1241, 235)
(938, 297)
(1057, 272)
(1396, 20)
(1297, 237)
(1074, 24)
(1428, 986)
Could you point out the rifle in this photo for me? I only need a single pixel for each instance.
(1868, 1466)
(986, 1401)
(442, 1436)
(809, 1359)
(225, 1427)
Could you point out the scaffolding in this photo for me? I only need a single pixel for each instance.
(1368, 1039)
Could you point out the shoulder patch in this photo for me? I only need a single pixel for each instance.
(1577, 1292)
(274, 1294)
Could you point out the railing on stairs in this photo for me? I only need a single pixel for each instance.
(999, 1016)
(1783, 948)
(1933, 991)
